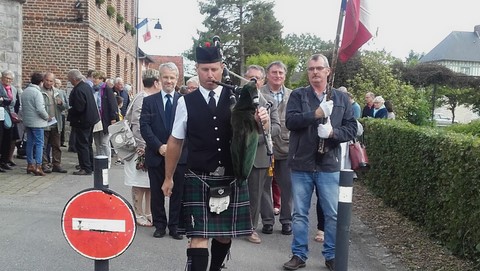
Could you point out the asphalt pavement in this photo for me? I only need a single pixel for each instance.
(31, 237)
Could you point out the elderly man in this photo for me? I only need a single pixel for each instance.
(258, 181)
(83, 114)
(119, 88)
(55, 104)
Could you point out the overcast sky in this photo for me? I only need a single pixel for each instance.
(402, 25)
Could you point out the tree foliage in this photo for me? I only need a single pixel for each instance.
(245, 27)
(376, 75)
(304, 45)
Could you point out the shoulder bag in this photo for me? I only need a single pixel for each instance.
(358, 155)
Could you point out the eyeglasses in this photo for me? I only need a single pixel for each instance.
(318, 68)
(7, 78)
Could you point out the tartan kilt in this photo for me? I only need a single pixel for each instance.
(196, 220)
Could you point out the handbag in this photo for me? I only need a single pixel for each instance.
(21, 151)
(122, 139)
(15, 118)
(7, 122)
(358, 155)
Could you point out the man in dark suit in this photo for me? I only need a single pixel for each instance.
(83, 114)
(156, 120)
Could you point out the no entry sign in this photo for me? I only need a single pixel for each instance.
(98, 223)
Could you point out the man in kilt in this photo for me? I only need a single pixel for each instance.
(203, 120)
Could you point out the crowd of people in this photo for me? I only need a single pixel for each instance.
(182, 149)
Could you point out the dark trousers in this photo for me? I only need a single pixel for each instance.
(6, 143)
(157, 176)
(62, 133)
(52, 139)
(71, 141)
(83, 145)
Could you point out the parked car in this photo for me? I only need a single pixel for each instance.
(442, 120)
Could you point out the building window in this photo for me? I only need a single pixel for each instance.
(465, 70)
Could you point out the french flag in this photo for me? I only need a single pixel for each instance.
(357, 29)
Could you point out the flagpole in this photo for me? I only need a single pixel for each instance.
(137, 87)
(336, 46)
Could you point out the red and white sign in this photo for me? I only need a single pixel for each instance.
(98, 224)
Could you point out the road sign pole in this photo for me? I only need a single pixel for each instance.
(100, 181)
(101, 265)
(343, 219)
(100, 172)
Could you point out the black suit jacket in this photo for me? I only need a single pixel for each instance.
(154, 129)
(83, 112)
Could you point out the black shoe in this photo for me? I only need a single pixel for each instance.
(82, 172)
(175, 235)
(2, 170)
(11, 163)
(294, 263)
(5, 166)
(63, 145)
(159, 233)
(47, 169)
(330, 264)
(287, 229)
(59, 170)
(267, 229)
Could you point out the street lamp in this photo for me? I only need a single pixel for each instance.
(158, 25)
(139, 23)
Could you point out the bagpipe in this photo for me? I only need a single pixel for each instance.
(244, 104)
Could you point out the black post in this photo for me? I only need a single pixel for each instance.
(343, 219)
(100, 165)
(101, 265)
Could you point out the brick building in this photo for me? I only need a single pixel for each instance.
(11, 41)
(59, 35)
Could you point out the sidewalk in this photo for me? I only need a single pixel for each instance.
(31, 238)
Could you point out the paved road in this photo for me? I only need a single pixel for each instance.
(31, 237)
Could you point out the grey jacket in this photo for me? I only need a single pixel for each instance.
(33, 107)
(280, 140)
(58, 108)
(262, 160)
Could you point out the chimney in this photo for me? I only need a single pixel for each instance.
(476, 29)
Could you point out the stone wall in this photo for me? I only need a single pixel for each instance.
(11, 41)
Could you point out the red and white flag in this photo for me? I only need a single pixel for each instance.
(357, 29)
(147, 36)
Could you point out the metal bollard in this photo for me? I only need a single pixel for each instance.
(100, 181)
(344, 215)
(100, 172)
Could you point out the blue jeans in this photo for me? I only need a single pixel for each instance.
(34, 140)
(303, 183)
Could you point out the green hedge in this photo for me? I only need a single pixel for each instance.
(430, 175)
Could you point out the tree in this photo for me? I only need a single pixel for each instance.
(304, 45)
(245, 27)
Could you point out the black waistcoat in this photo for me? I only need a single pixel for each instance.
(209, 133)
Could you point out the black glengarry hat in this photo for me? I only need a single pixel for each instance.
(208, 54)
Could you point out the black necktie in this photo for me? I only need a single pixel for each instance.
(168, 111)
(211, 101)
